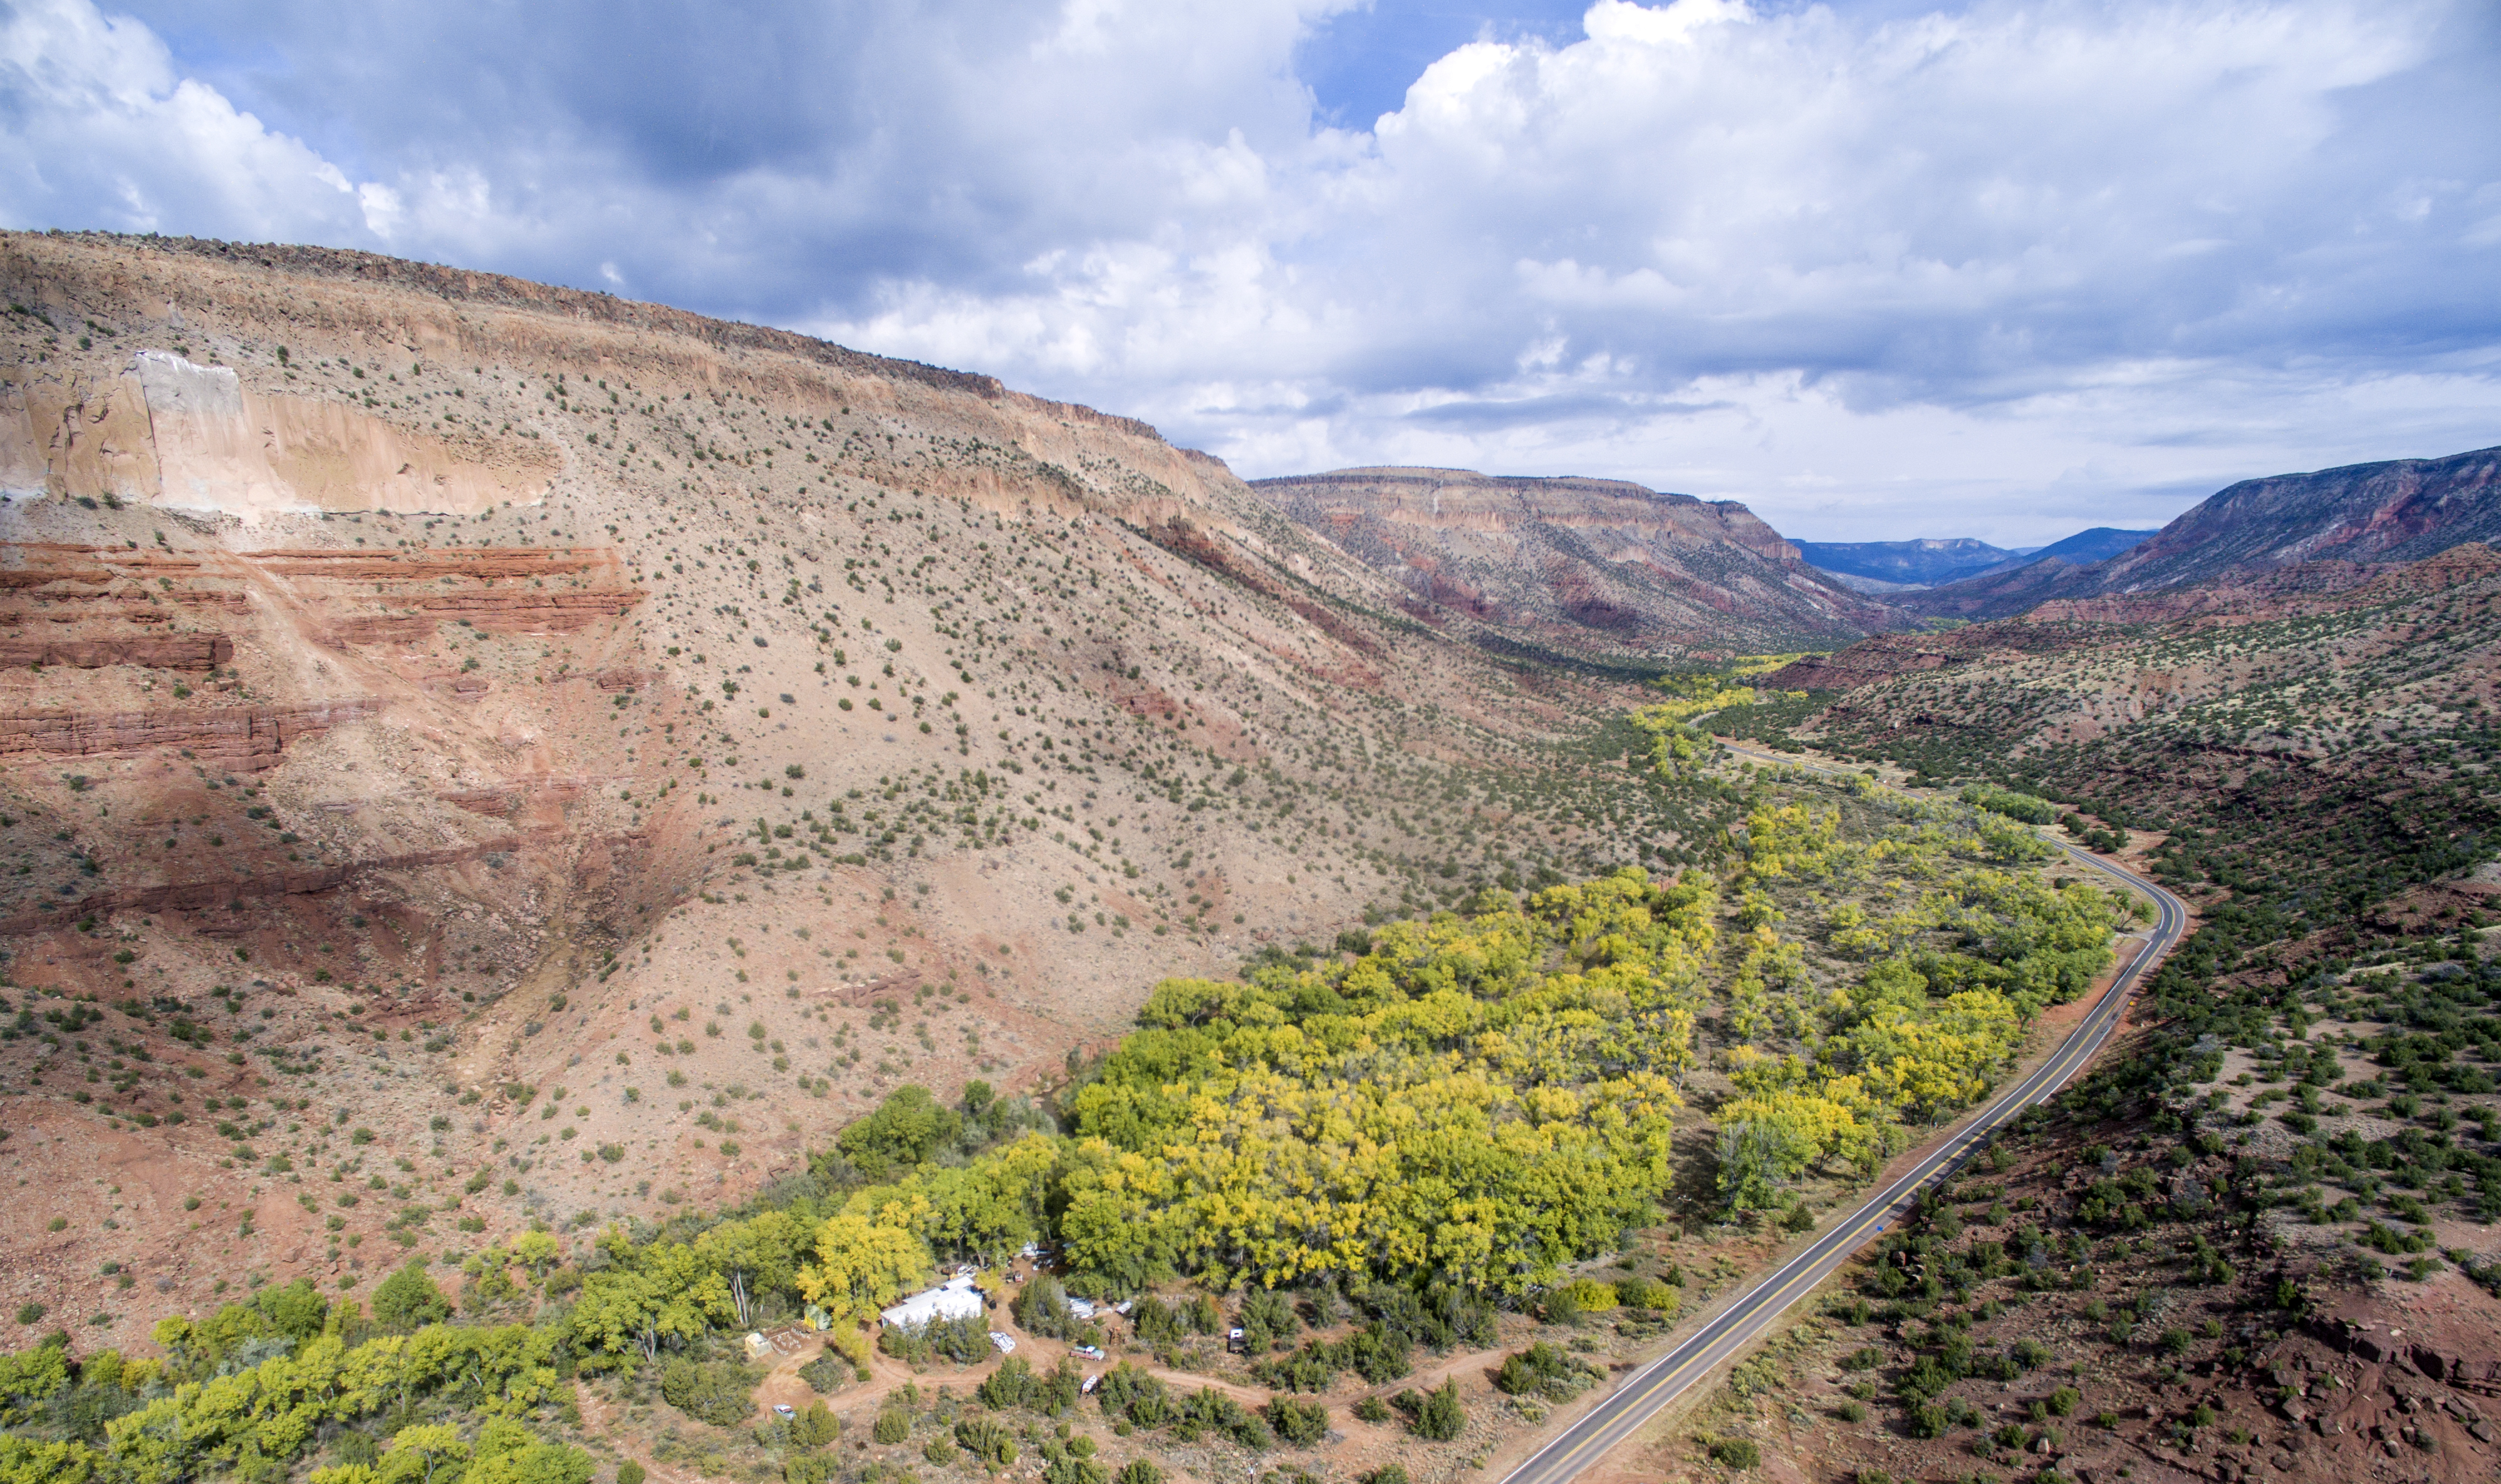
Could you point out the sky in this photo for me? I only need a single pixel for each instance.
(1880, 270)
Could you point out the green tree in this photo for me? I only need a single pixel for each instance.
(416, 1453)
(506, 1453)
(408, 1300)
(755, 1256)
(861, 1266)
(906, 1130)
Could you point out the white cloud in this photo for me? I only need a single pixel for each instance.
(1859, 274)
(98, 119)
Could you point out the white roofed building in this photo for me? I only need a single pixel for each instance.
(955, 1299)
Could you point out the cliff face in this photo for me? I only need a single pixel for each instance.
(2400, 511)
(1600, 565)
(415, 684)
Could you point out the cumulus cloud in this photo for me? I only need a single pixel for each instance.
(1982, 271)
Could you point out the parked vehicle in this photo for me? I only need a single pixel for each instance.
(1005, 1343)
(1087, 1352)
(783, 1411)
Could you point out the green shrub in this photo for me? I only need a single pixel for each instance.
(408, 1300)
(629, 1473)
(813, 1427)
(1300, 1423)
(1542, 1369)
(1041, 1308)
(718, 1393)
(988, 1441)
(1736, 1453)
(1440, 1417)
(1267, 1317)
(1594, 1297)
(1133, 1396)
(892, 1426)
(1649, 1294)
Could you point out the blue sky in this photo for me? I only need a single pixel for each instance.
(2001, 269)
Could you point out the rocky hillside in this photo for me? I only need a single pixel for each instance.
(536, 754)
(2401, 510)
(2257, 1240)
(1596, 566)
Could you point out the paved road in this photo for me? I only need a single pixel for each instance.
(1654, 1386)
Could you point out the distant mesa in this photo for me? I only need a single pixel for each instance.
(1577, 562)
(1883, 567)
(1902, 564)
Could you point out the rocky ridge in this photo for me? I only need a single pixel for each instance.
(2391, 513)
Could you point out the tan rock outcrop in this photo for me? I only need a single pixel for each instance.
(172, 433)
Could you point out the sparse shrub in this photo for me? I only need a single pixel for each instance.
(1736, 1453)
(1439, 1417)
(988, 1441)
(827, 1373)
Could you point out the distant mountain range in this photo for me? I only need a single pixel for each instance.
(2395, 512)
(1886, 567)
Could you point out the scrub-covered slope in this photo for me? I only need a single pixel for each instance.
(505, 745)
